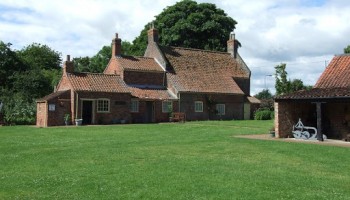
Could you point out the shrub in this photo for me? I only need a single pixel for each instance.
(264, 115)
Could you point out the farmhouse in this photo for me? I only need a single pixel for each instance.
(201, 84)
(326, 106)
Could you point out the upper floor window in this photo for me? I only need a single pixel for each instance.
(103, 105)
(198, 106)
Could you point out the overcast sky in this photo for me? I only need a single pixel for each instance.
(305, 34)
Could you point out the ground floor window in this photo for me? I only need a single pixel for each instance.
(220, 108)
(134, 107)
(103, 105)
(198, 106)
(167, 106)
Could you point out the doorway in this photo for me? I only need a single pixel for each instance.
(149, 112)
(87, 112)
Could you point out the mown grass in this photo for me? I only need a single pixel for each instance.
(195, 160)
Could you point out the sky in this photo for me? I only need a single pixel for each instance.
(304, 34)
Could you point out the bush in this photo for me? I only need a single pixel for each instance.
(264, 114)
(19, 112)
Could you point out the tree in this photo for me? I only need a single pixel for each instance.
(188, 24)
(264, 94)
(282, 84)
(27, 74)
(9, 63)
(347, 49)
(285, 86)
(40, 57)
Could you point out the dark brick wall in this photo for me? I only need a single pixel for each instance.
(233, 106)
(119, 107)
(144, 116)
(45, 117)
(335, 118)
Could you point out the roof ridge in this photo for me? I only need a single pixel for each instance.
(193, 49)
(125, 56)
(93, 73)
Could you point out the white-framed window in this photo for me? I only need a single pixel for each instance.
(134, 107)
(198, 106)
(167, 106)
(52, 107)
(103, 105)
(220, 108)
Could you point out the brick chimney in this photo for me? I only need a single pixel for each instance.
(232, 45)
(116, 46)
(152, 35)
(68, 66)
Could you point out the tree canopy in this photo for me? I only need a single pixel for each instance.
(26, 75)
(189, 24)
(284, 85)
(347, 49)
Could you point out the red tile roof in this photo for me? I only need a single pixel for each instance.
(94, 82)
(253, 100)
(318, 93)
(204, 71)
(54, 95)
(334, 83)
(152, 94)
(337, 73)
(139, 63)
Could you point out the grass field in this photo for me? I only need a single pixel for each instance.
(195, 160)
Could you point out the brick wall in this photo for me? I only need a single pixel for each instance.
(287, 115)
(143, 115)
(119, 107)
(55, 117)
(335, 118)
(233, 106)
(144, 78)
(41, 114)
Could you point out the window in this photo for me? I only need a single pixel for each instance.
(167, 106)
(220, 108)
(52, 107)
(134, 107)
(198, 106)
(103, 105)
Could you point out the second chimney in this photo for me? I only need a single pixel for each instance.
(68, 66)
(116, 46)
(232, 45)
(152, 35)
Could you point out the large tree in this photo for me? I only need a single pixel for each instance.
(9, 64)
(26, 75)
(189, 24)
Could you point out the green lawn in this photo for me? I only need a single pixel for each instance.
(195, 160)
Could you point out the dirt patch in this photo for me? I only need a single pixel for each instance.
(328, 142)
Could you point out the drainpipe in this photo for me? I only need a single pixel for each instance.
(76, 106)
(164, 78)
(179, 102)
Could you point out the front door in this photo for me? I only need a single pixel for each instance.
(87, 112)
(149, 111)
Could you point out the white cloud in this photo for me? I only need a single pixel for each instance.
(303, 34)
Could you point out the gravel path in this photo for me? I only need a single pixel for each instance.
(328, 142)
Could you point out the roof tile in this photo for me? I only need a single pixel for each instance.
(197, 70)
(94, 82)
